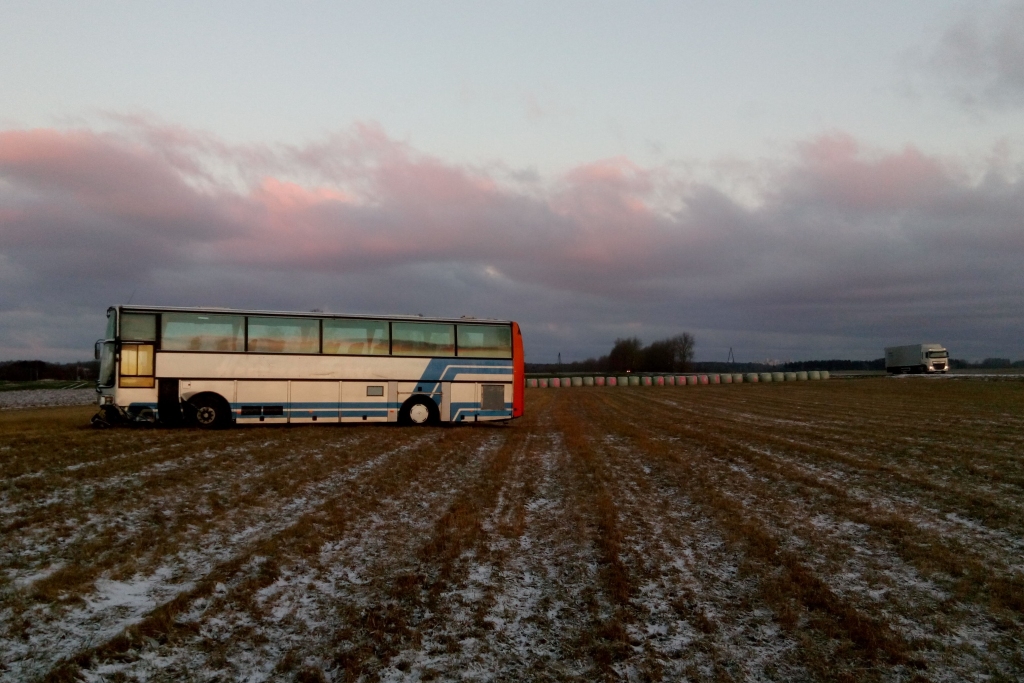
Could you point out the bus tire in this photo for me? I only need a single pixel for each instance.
(210, 411)
(419, 410)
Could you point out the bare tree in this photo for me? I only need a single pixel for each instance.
(669, 355)
(682, 351)
(626, 355)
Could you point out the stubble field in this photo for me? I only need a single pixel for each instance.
(843, 530)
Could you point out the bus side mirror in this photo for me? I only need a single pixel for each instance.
(96, 349)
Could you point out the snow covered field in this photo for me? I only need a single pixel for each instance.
(37, 398)
(844, 530)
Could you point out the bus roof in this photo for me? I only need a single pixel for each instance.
(135, 308)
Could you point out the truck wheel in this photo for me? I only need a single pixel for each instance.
(210, 411)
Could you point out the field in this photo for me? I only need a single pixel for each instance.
(857, 530)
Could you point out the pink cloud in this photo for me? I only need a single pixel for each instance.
(86, 216)
(283, 196)
(360, 201)
(105, 173)
(835, 169)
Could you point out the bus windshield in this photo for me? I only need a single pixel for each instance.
(106, 376)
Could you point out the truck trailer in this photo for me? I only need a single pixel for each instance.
(917, 358)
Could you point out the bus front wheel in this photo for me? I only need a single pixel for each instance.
(210, 411)
(419, 410)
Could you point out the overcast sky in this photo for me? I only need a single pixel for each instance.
(794, 180)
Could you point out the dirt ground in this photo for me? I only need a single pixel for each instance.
(854, 530)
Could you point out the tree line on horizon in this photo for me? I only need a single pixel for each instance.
(675, 354)
(987, 364)
(629, 354)
(34, 370)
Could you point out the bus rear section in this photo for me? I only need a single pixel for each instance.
(217, 368)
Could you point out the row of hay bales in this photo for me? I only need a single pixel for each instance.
(675, 380)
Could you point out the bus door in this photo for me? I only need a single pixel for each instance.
(446, 401)
(168, 401)
(137, 366)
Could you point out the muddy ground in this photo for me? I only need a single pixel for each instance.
(855, 530)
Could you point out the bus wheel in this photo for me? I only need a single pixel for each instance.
(419, 410)
(210, 411)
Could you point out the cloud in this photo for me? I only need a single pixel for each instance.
(982, 56)
(845, 246)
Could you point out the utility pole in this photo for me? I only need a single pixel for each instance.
(559, 361)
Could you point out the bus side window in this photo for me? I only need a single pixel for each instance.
(356, 337)
(485, 341)
(284, 335)
(422, 339)
(138, 326)
(202, 332)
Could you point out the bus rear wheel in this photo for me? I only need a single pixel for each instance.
(419, 410)
(210, 411)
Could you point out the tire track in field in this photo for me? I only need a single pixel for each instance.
(45, 635)
(423, 605)
(858, 424)
(607, 642)
(969, 569)
(187, 499)
(290, 584)
(790, 498)
(920, 441)
(153, 467)
(208, 512)
(86, 508)
(986, 507)
(76, 453)
(943, 464)
(538, 574)
(826, 623)
(516, 603)
(478, 553)
(684, 607)
(373, 610)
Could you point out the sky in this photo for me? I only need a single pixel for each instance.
(790, 180)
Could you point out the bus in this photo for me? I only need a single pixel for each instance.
(216, 367)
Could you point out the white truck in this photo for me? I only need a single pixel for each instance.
(916, 358)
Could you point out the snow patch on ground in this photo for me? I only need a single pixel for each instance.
(305, 596)
(115, 605)
(45, 398)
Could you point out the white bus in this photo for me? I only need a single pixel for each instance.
(218, 367)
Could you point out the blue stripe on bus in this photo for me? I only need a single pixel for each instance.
(446, 369)
(327, 409)
(464, 410)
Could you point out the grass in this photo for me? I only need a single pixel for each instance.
(866, 529)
